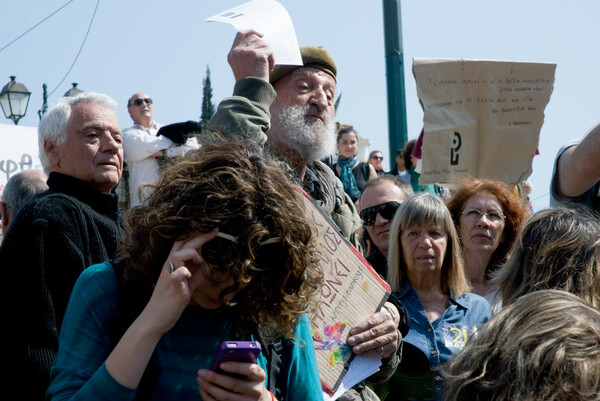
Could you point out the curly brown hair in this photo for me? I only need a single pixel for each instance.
(514, 208)
(240, 190)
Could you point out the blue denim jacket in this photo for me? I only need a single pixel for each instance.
(448, 334)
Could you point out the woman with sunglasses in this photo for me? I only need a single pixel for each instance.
(222, 251)
(426, 274)
(488, 216)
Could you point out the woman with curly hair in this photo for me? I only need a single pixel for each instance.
(222, 251)
(488, 216)
(544, 346)
(559, 248)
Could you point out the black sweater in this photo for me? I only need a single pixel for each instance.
(51, 240)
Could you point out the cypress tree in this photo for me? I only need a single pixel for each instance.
(208, 108)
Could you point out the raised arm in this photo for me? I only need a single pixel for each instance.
(250, 56)
(578, 167)
(86, 366)
(245, 115)
(172, 293)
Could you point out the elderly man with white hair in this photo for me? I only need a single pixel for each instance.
(74, 224)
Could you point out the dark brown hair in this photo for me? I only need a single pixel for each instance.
(238, 189)
(346, 129)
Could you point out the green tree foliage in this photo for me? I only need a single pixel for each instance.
(208, 108)
(337, 102)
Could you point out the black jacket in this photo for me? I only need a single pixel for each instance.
(52, 239)
(379, 263)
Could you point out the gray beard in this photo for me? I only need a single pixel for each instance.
(303, 138)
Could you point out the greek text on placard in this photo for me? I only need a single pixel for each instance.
(10, 167)
(331, 288)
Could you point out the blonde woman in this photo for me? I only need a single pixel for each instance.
(426, 273)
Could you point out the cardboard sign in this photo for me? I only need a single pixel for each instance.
(18, 151)
(482, 118)
(350, 293)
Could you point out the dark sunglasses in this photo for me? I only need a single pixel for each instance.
(139, 102)
(377, 157)
(221, 250)
(387, 210)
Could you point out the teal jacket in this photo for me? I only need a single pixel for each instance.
(87, 338)
(414, 181)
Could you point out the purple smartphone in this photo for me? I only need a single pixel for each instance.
(235, 351)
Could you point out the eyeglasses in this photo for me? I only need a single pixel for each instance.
(386, 210)
(221, 251)
(377, 157)
(139, 102)
(475, 215)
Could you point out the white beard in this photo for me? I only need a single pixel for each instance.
(305, 138)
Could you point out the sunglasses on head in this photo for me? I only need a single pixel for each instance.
(221, 250)
(386, 210)
(139, 102)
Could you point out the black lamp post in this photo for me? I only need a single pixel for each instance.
(74, 91)
(14, 99)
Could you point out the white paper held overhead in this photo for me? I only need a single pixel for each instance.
(272, 20)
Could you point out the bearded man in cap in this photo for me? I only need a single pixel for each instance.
(290, 108)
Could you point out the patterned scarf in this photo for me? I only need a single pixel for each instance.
(347, 177)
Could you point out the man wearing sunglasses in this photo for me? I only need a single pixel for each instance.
(144, 145)
(379, 202)
(141, 146)
(376, 160)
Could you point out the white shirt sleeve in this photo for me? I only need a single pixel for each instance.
(139, 144)
(181, 150)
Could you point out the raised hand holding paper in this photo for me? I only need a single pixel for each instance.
(271, 19)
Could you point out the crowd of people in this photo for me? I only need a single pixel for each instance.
(138, 251)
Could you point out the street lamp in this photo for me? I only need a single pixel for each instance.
(74, 91)
(14, 99)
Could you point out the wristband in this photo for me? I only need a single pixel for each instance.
(272, 396)
(391, 311)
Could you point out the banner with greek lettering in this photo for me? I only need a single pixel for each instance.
(350, 293)
(481, 118)
(18, 151)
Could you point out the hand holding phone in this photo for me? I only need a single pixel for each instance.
(235, 351)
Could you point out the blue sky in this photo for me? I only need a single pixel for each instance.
(163, 48)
